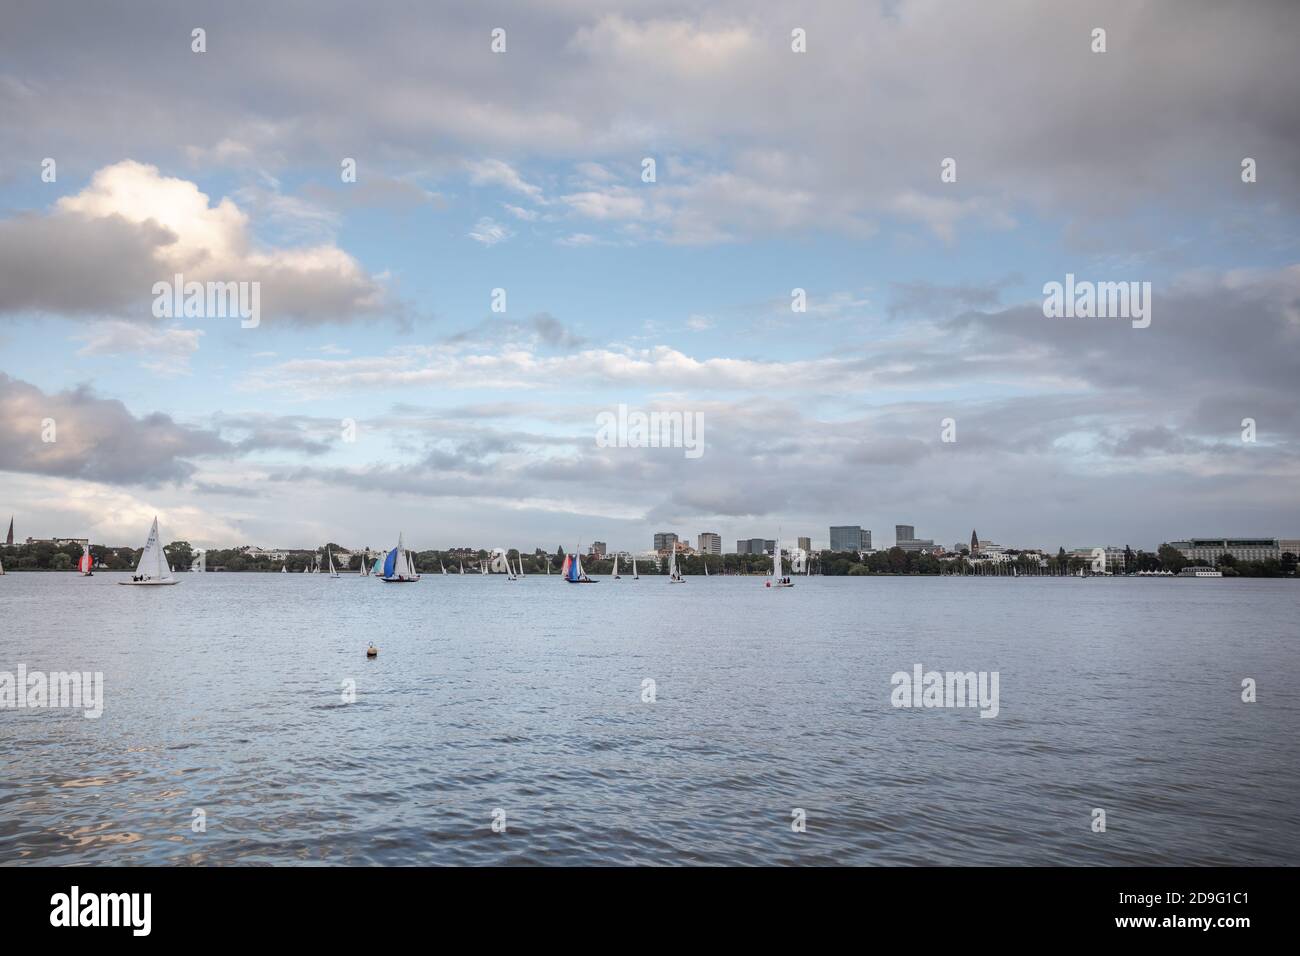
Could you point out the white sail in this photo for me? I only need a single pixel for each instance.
(499, 563)
(462, 567)
(776, 560)
(442, 567)
(674, 576)
(153, 563)
(333, 573)
(400, 568)
(616, 565)
(635, 576)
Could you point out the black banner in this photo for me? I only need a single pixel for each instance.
(335, 905)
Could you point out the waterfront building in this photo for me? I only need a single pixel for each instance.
(1114, 557)
(709, 543)
(904, 532)
(806, 544)
(1289, 546)
(597, 549)
(1243, 549)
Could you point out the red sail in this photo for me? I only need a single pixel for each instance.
(84, 564)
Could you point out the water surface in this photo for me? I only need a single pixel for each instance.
(225, 694)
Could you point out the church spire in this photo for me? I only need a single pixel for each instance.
(974, 541)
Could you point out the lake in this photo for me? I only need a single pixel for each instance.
(527, 703)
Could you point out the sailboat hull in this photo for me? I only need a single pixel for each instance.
(147, 584)
(400, 580)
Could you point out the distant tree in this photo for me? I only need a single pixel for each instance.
(61, 562)
(1171, 559)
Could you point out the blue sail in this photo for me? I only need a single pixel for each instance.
(390, 563)
(573, 570)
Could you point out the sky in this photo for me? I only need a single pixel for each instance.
(379, 391)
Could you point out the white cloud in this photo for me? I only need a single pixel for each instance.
(489, 232)
(495, 172)
(101, 250)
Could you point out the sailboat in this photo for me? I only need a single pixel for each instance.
(462, 566)
(572, 571)
(2, 567)
(674, 575)
(776, 580)
(333, 572)
(85, 563)
(635, 576)
(397, 565)
(153, 568)
(410, 563)
(442, 567)
(365, 564)
(377, 569)
(284, 569)
(706, 569)
(617, 576)
(520, 561)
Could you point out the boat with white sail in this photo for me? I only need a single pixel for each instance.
(153, 569)
(399, 568)
(777, 580)
(85, 564)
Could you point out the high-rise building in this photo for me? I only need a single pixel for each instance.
(847, 537)
(806, 544)
(866, 539)
(665, 541)
(904, 532)
(708, 543)
(597, 549)
(742, 546)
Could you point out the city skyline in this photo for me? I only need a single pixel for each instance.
(385, 385)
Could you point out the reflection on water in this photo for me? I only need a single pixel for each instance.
(226, 695)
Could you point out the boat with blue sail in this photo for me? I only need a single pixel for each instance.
(572, 571)
(398, 567)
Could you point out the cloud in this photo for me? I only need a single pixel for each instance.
(495, 172)
(102, 249)
(490, 232)
(96, 439)
(169, 349)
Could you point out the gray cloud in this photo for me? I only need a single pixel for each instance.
(1153, 121)
(96, 439)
